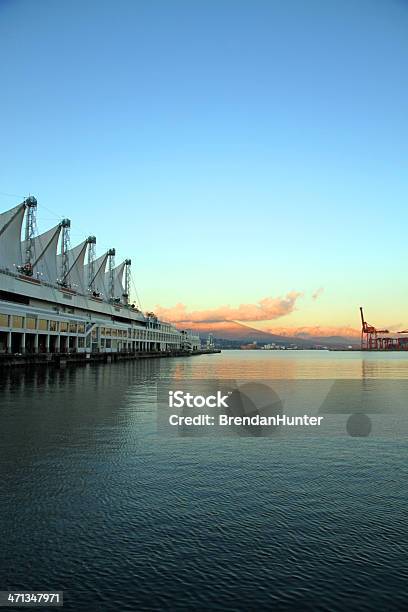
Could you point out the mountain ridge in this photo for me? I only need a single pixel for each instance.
(238, 332)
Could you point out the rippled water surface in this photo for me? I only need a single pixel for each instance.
(95, 503)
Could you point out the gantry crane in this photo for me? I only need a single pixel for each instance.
(370, 340)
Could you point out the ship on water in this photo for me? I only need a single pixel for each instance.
(58, 299)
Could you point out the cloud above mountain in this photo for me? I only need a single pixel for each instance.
(266, 309)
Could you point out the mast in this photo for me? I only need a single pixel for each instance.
(30, 205)
(91, 262)
(31, 208)
(126, 295)
(111, 265)
(65, 224)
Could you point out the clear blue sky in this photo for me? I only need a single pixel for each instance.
(233, 149)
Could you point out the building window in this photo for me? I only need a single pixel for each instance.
(3, 320)
(102, 331)
(108, 343)
(30, 322)
(43, 324)
(64, 327)
(81, 328)
(72, 328)
(81, 342)
(53, 326)
(17, 321)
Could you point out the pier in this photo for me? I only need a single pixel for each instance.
(8, 360)
(60, 304)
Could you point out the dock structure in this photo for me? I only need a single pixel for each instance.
(374, 339)
(56, 300)
(61, 360)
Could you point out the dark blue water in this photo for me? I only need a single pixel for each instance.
(96, 504)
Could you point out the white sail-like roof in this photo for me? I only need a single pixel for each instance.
(99, 274)
(76, 259)
(44, 254)
(10, 237)
(118, 289)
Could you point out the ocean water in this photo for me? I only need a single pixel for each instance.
(98, 503)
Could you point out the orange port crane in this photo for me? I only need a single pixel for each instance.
(369, 336)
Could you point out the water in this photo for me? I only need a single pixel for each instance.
(95, 503)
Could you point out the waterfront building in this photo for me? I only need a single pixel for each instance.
(58, 299)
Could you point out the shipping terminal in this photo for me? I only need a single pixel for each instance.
(60, 304)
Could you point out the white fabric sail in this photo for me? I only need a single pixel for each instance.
(118, 289)
(10, 237)
(76, 259)
(99, 275)
(44, 254)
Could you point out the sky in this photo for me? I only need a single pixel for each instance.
(250, 157)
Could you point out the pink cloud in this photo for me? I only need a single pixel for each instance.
(265, 310)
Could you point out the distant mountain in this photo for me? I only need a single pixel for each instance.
(239, 333)
(229, 330)
(349, 340)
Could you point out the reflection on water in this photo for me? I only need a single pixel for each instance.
(95, 503)
(295, 365)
